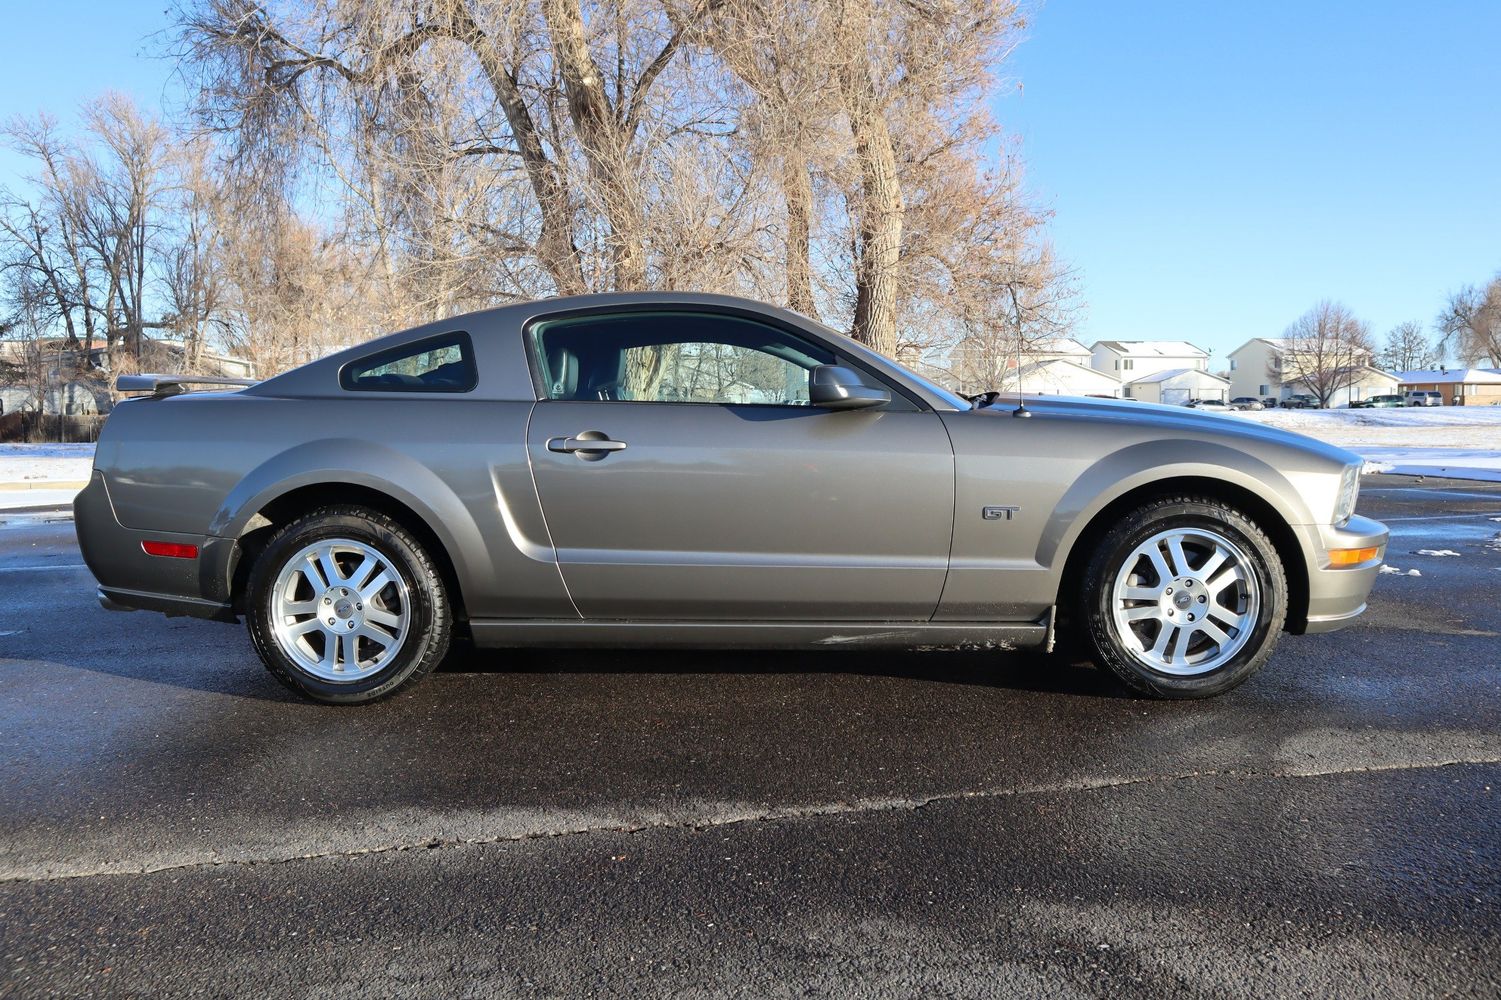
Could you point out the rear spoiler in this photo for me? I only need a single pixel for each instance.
(172, 385)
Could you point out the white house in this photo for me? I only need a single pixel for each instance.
(1059, 349)
(1177, 386)
(1134, 359)
(1060, 377)
(1260, 368)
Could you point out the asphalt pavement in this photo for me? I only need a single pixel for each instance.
(581, 824)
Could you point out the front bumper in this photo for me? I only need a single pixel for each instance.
(1336, 596)
(129, 579)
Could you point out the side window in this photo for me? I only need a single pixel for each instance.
(659, 357)
(438, 364)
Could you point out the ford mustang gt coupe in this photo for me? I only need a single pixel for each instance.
(704, 471)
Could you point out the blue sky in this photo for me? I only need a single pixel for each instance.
(1216, 169)
(1213, 169)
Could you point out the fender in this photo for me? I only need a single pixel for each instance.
(1138, 465)
(349, 460)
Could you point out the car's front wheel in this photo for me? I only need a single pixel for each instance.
(346, 606)
(1184, 597)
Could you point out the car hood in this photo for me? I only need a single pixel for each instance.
(1230, 426)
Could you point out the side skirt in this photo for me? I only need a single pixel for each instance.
(1001, 636)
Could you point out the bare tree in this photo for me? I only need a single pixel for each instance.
(1326, 349)
(1408, 348)
(1471, 323)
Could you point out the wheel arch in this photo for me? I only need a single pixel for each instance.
(1254, 505)
(311, 476)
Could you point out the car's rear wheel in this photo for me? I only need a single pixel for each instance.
(1184, 597)
(345, 606)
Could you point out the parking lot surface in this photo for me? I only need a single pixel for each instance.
(836, 823)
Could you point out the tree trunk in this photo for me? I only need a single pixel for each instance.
(879, 248)
(605, 137)
(797, 188)
(557, 248)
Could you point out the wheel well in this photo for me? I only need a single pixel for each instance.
(1264, 514)
(289, 506)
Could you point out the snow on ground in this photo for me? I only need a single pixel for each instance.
(28, 462)
(42, 475)
(1456, 463)
(1399, 427)
(1460, 442)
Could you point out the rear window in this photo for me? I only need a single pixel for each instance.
(444, 363)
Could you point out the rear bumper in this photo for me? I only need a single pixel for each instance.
(1336, 596)
(129, 579)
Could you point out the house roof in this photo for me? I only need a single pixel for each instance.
(1153, 348)
(1060, 345)
(1447, 376)
(1055, 370)
(1172, 373)
(1275, 343)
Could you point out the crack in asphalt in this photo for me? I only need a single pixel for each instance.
(772, 815)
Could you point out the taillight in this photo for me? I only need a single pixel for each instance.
(172, 550)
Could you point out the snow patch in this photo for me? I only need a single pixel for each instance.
(1436, 552)
(1398, 572)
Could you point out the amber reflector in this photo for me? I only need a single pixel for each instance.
(1352, 557)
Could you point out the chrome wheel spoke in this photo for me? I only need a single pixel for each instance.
(1177, 560)
(1212, 564)
(1224, 614)
(1227, 576)
(379, 616)
(1142, 593)
(1164, 638)
(330, 566)
(1159, 564)
(1149, 612)
(302, 628)
(1214, 632)
(375, 586)
(375, 635)
(313, 570)
(362, 572)
(300, 608)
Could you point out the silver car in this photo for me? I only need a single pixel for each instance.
(696, 470)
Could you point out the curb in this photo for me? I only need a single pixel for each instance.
(44, 484)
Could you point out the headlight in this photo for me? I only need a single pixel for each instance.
(1349, 492)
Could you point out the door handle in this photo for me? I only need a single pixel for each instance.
(585, 443)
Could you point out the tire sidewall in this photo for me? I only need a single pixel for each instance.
(1263, 563)
(423, 593)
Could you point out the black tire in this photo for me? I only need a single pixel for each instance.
(430, 626)
(1095, 599)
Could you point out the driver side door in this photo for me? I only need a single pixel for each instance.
(716, 492)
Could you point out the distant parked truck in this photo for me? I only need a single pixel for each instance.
(1424, 397)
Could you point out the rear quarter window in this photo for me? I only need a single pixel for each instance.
(444, 363)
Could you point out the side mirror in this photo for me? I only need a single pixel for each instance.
(837, 388)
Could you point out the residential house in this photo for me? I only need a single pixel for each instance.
(1058, 349)
(1129, 360)
(1262, 367)
(1176, 386)
(1060, 377)
(1458, 386)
